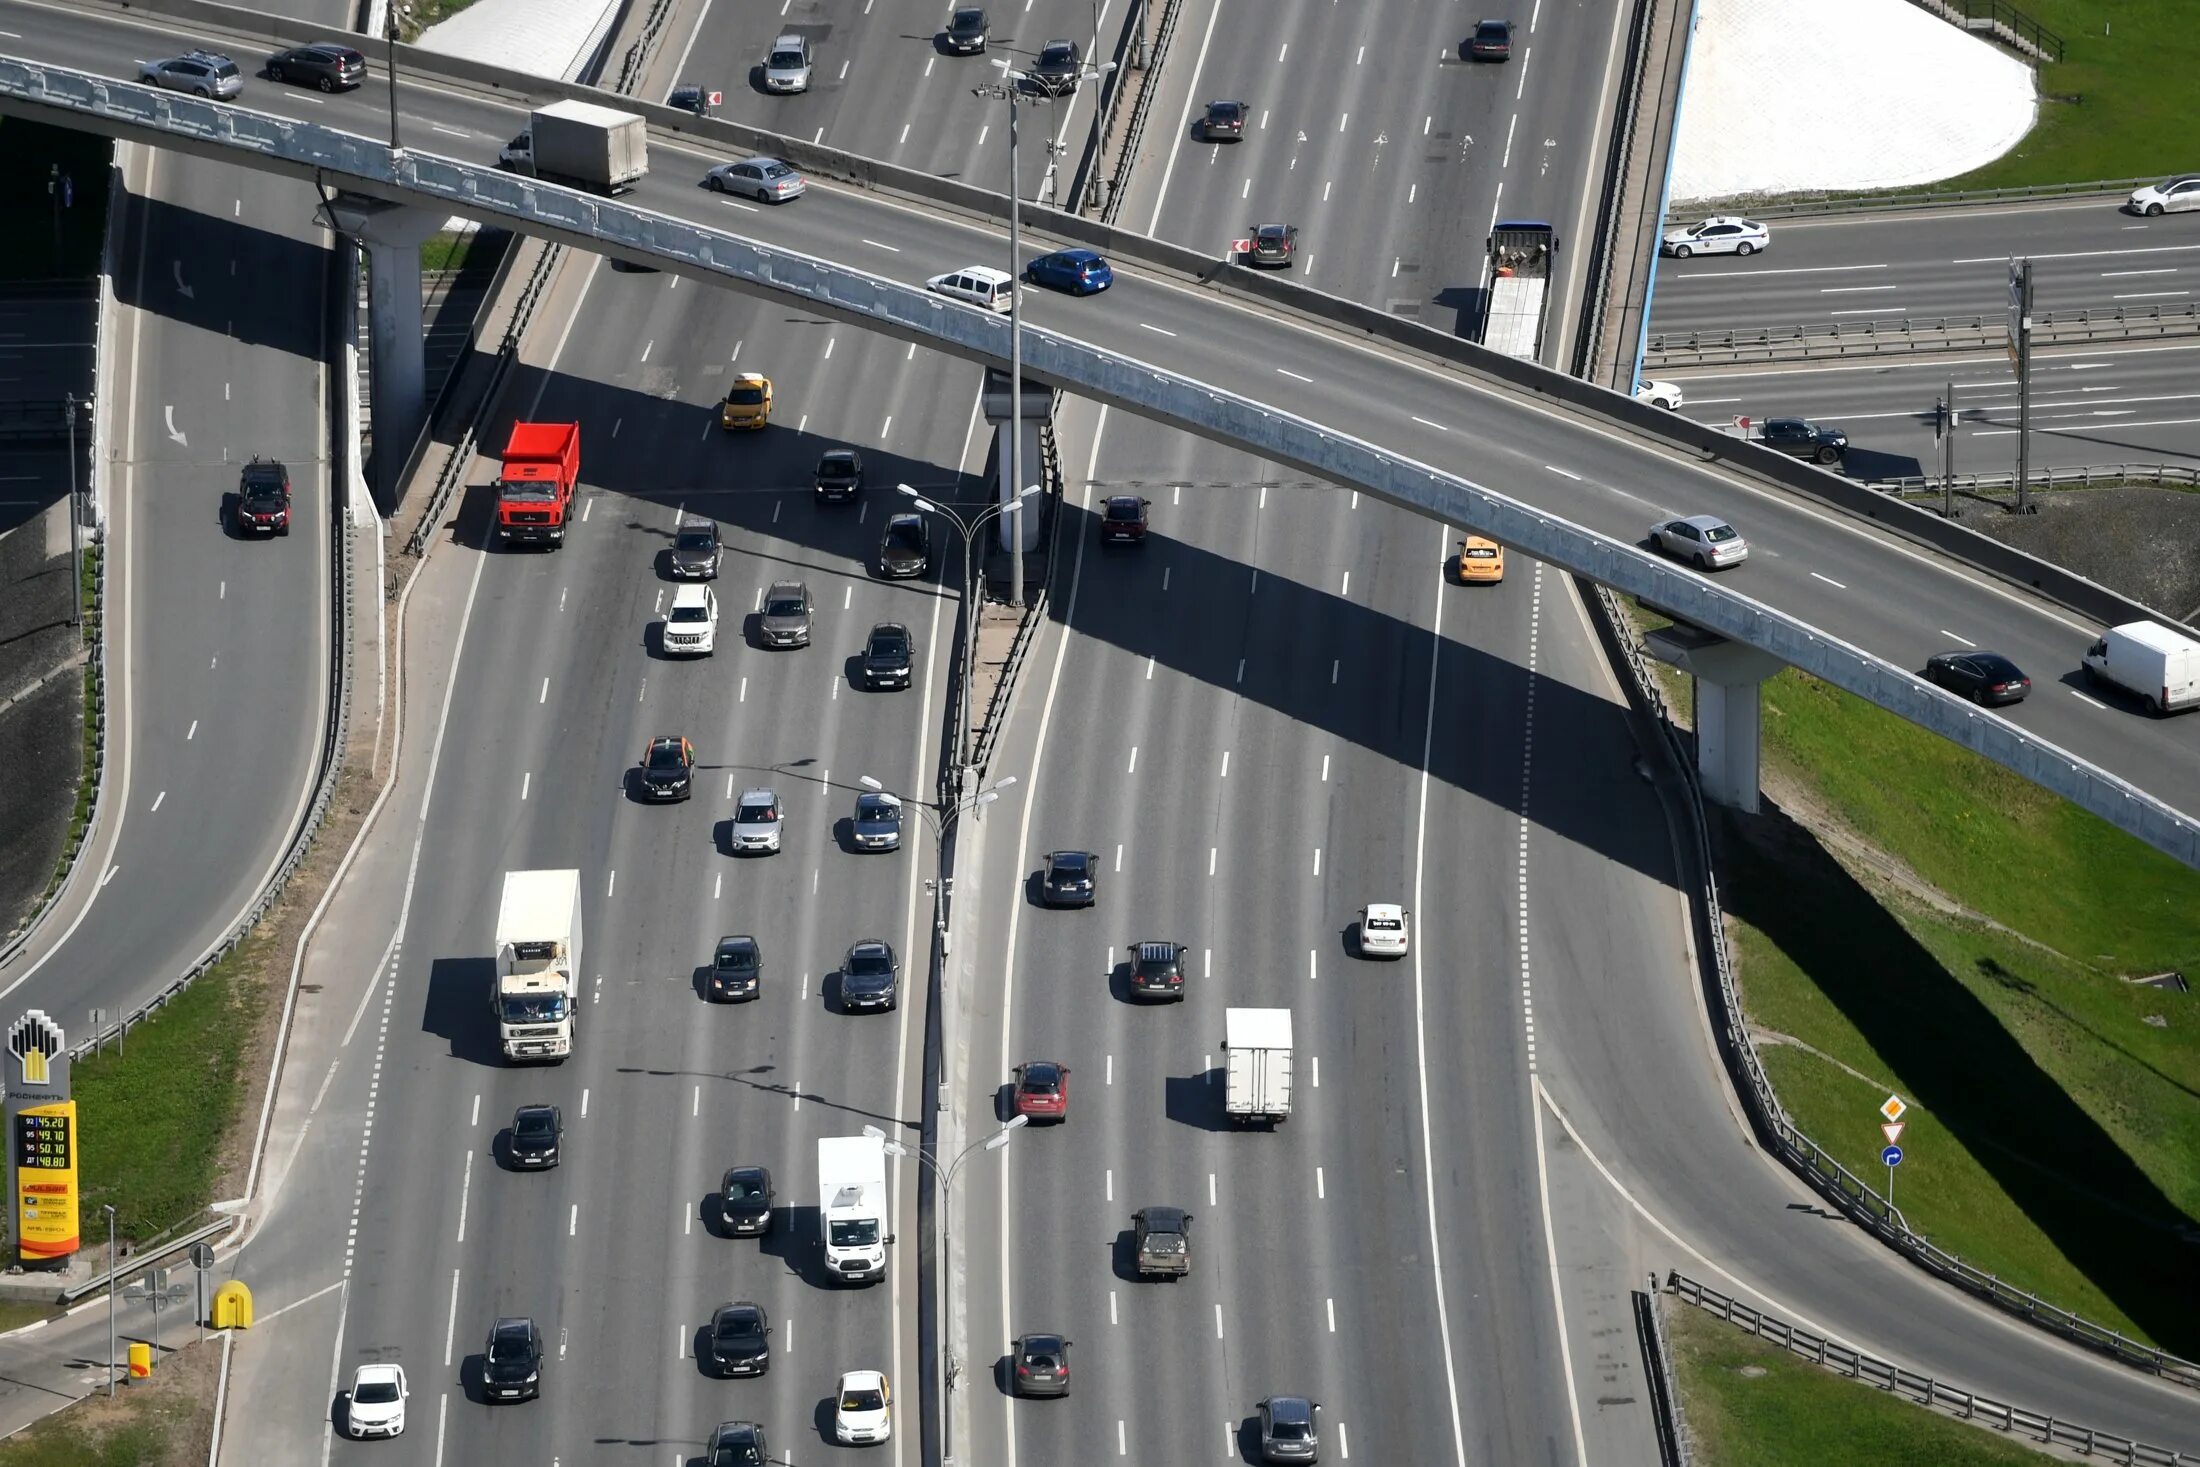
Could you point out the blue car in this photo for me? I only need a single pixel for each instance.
(1080, 272)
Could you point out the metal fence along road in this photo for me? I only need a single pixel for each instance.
(1915, 334)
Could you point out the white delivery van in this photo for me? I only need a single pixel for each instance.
(2159, 667)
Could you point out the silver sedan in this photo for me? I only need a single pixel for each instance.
(766, 179)
(1703, 540)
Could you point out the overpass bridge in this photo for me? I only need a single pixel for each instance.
(1845, 584)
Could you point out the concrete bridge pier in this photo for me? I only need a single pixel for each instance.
(1727, 676)
(392, 235)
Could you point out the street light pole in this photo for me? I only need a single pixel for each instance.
(112, 1265)
(391, 29)
(968, 528)
(946, 1179)
(76, 520)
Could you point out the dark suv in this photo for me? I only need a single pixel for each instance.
(1806, 439)
(737, 969)
(696, 551)
(1070, 879)
(886, 656)
(905, 550)
(1157, 970)
(668, 769)
(1223, 120)
(1164, 1237)
(1273, 245)
(839, 474)
(511, 1362)
(324, 64)
(1123, 519)
(1059, 66)
(263, 498)
(870, 977)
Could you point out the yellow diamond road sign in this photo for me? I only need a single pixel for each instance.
(1892, 1108)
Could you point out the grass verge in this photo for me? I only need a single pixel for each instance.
(1751, 1404)
(420, 14)
(446, 251)
(167, 1421)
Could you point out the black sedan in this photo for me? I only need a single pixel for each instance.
(329, 65)
(886, 656)
(1079, 272)
(1223, 120)
(745, 1201)
(1986, 678)
(1059, 66)
(1492, 41)
(1070, 879)
(737, 969)
(967, 30)
(536, 1132)
(1273, 245)
(870, 976)
(740, 1339)
(1041, 1365)
(905, 549)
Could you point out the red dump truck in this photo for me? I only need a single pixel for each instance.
(542, 463)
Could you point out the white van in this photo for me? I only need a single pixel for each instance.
(2158, 666)
(980, 285)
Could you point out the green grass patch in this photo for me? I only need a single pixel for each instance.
(447, 251)
(166, 1422)
(420, 14)
(2098, 119)
(47, 241)
(150, 1120)
(1788, 1412)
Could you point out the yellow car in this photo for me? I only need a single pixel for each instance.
(748, 402)
(1481, 562)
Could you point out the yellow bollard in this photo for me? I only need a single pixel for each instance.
(233, 1306)
(141, 1360)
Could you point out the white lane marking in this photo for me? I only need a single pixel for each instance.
(1122, 1449)
(573, 1220)
(1329, 1306)
(526, 778)
(2082, 698)
(1149, 326)
(191, 732)
(1873, 311)
(2150, 295)
(1321, 1188)
(1558, 1295)
(1313, 958)
(1315, 1062)
(111, 870)
(465, 1189)
(2084, 254)
(1829, 580)
(1424, 422)
(1853, 289)
(544, 695)
(584, 1104)
(648, 347)
(1563, 473)
(450, 131)
(450, 1329)
(1317, 860)
(157, 799)
(1225, 763)
(1211, 860)
(1294, 376)
(1110, 1183)
(476, 1119)
(1218, 1321)
(1111, 1070)
(1112, 1319)
(1210, 1189)
(2158, 270)
(1951, 636)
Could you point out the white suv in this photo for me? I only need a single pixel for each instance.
(691, 626)
(756, 822)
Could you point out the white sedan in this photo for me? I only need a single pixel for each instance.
(376, 1406)
(1721, 234)
(1665, 395)
(863, 1410)
(2167, 197)
(1385, 929)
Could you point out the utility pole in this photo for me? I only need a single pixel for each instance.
(391, 30)
(1948, 453)
(113, 1264)
(2020, 292)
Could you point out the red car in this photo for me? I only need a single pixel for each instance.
(1042, 1090)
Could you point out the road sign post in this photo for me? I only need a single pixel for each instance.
(202, 1259)
(1892, 1156)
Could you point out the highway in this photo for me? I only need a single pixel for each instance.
(1854, 268)
(1875, 592)
(219, 661)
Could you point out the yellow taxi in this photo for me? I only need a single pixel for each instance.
(1481, 562)
(748, 402)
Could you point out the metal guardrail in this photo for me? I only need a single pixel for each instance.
(143, 1256)
(1035, 609)
(1619, 154)
(1916, 334)
(1781, 1135)
(1926, 1390)
(2080, 476)
(2001, 20)
(1765, 206)
(1665, 1395)
(1134, 132)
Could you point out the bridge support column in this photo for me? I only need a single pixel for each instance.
(1038, 406)
(1727, 676)
(392, 235)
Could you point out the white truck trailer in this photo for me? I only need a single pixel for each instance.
(1256, 1065)
(1521, 253)
(581, 145)
(853, 1209)
(538, 964)
(2156, 665)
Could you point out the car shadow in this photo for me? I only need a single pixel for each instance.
(1004, 1102)
(795, 1240)
(822, 1419)
(1196, 1100)
(1004, 1370)
(1123, 1257)
(1872, 463)
(339, 1414)
(701, 982)
(700, 1348)
(470, 1379)
(1248, 1439)
(452, 1009)
(844, 836)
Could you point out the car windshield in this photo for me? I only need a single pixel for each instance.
(695, 540)
(968, 20)
(783, 606)
(743, 1189)
(533, 1123)
(374, 1393)
(887, 643)
(1059, 54)
(737, 1454)
(756, 813)
(691, 613)
(785, 60)
(737, 958)
(740, 1325)
(1289, 1431)
(855, 1233)
(665, 756)
(878, 810)
(1119, 509)
(533, 1008)
(906, 535)
(1717, 533)
(864, 1399)
(507, 1346)
(745, 396)
(869, 964)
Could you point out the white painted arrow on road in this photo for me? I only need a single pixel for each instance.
(181, 289)
(169, 412)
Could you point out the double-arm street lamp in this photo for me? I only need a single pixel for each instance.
(945, 1176)
(969, 526)
(943, 816)
(1011, 86)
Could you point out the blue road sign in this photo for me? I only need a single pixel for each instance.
(1892, 1156)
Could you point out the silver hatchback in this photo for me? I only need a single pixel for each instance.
(1703, 540)
(202, 73)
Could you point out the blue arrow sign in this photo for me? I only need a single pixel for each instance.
(1892, 1156)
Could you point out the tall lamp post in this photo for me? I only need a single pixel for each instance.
(1011, 86)
(943, 818)
(392, 29)
(968, 527)
(114, 1264)
(945, 1176)
(69, 405)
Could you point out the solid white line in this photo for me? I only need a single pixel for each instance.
(1153, 225)
(450, 1330)
(1148, 326)
(1294, 376)
(1563, 473)
(1854, 289)
(1951, 636)
(1424, 422)
(1829, 580)
(1753, 273)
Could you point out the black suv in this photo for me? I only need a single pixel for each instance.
(745, 1201)
(1060, 64)
(263, 498)
(668, 769)
(967, 30)
(870, 977)
(691, 98)
(511, 1362)
(325, 64)
(736, 1444)
(740, 1339)
(696, 551)
(1164, 1241)
(839, 474)
(905, 550)
(1123, 519)
(1806, 439)
(1071, 879)
(536, 1132)
(737, 969)
(1223, 120)
(886, 656)
(1157, 970)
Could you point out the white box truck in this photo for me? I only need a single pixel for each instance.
(853, 1210)
(581, 145)
(1256, 1065)
(2158, 666)
(538, 964)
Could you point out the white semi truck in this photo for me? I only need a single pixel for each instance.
(1521, 254)
(1256, 1065)
(582, 145)
(538, 964)
(853, 1210)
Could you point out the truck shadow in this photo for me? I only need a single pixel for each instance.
(795, 1241)
(457, 1009)
(1196, 1100)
